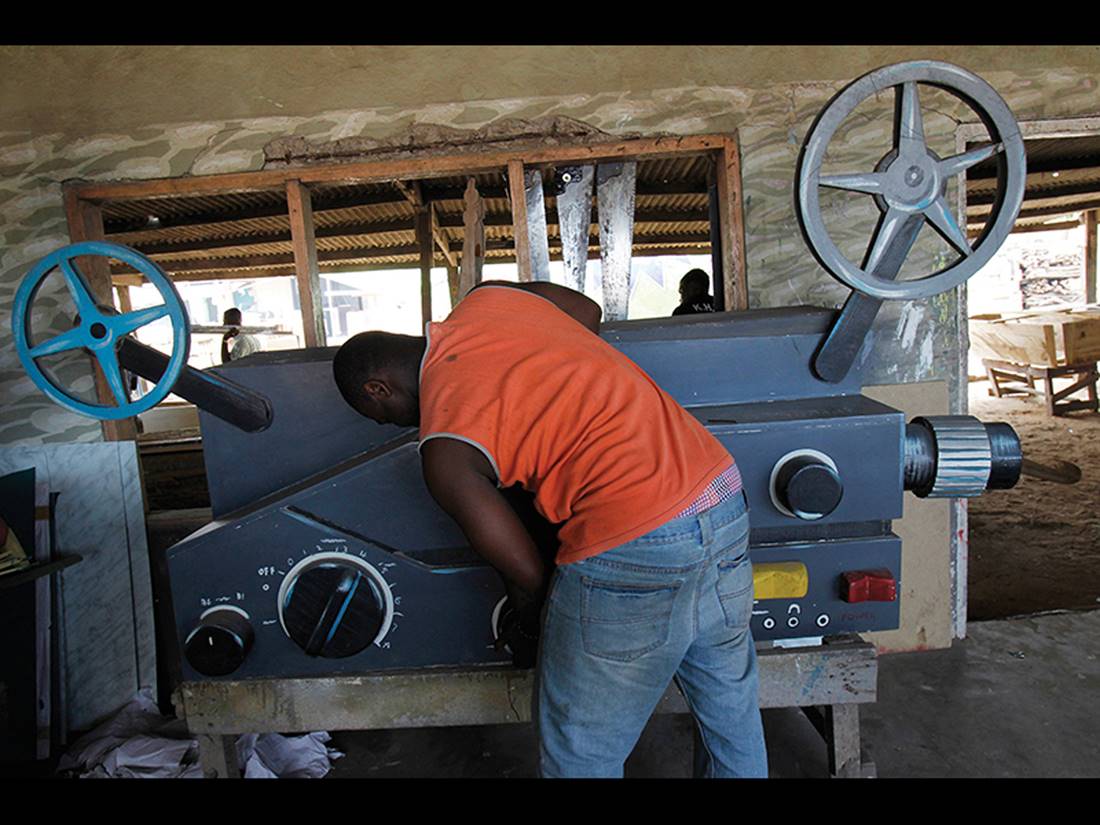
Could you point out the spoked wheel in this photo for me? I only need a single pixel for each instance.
(909, 187)
(100, 331)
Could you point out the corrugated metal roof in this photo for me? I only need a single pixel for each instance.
(671, 210)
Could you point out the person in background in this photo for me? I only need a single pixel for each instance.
(244, 345)
(695, 294)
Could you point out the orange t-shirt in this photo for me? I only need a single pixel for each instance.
(563, 413)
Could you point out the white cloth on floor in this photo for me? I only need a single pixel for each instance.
(137, 742)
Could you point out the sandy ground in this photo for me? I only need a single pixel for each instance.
(1036, 547)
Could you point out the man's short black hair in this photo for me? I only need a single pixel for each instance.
(361, 358)
(696, 280)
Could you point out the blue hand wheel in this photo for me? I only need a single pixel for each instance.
(100, 332)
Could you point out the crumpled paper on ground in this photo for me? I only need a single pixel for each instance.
(274, 756)
(137, 742)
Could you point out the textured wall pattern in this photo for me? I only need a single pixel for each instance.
(914, 342)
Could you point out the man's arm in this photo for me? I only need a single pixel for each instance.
(572, 303)
(225, 346)
(461, 479)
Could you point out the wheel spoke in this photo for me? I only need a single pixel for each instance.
(888, 230)
(125, 324)
(939, 215)
(870, 182)
(108, 360)
(72, 339)
(960, 163)
(911, 127)
(85, 304)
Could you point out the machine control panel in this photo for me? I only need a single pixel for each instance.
(334, 605)
(219, 643)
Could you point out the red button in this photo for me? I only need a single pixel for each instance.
(868, 586)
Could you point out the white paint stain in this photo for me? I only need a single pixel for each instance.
(927, 353)
(909, 322)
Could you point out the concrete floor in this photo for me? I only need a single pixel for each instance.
(1017, 698)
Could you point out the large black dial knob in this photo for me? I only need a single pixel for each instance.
(806, 484)
(334, 605)
(220, 642)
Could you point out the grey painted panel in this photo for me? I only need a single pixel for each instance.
(312, 428)
(108, 619)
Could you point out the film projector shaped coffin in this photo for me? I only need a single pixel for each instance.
(338, 561)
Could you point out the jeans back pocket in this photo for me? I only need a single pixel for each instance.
(624, 621)
(735, 589)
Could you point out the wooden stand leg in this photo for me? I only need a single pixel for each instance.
(994, 387)
(218, 756)
(839, 727)
(1048, 385)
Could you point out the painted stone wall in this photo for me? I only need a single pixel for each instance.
(914, 341)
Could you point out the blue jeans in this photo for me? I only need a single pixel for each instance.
(619, 626)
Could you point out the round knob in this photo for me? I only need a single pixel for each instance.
(334, 605)
(220, 642)
(806, 484)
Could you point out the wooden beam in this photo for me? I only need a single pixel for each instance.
(441, 240)
(1020, 229)
(519, 219)
(86, 224)
(467, 163)
(473, 238)
(1090, 256)
(124, 303)
(425, 242)
(308, 277)
(1034, 211)
(731, 217)
(411, 192)
(452, 284)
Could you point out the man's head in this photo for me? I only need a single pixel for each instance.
(378, 373)
(231, 317)
(694, 285)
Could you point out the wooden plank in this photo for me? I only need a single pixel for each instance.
(469, 163)
(518, 194)
(825, 675)
(218, 757)
(1090, 256)
(473, 238)
(86, 224)
(122, 292)
(574, 219)
(615, 203)
(308, 277)
(426, 244)
(1024, 344)
(731, 216)
(538, 242)
(452, 284)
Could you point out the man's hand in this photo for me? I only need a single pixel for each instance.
(518, 629)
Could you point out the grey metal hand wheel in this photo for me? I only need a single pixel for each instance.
(909, 186)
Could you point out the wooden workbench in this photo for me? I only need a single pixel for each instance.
(828, 682)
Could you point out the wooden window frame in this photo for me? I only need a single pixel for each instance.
(84, 200)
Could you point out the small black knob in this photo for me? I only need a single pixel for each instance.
(221, 641)
(808, 487)
(333, 609)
